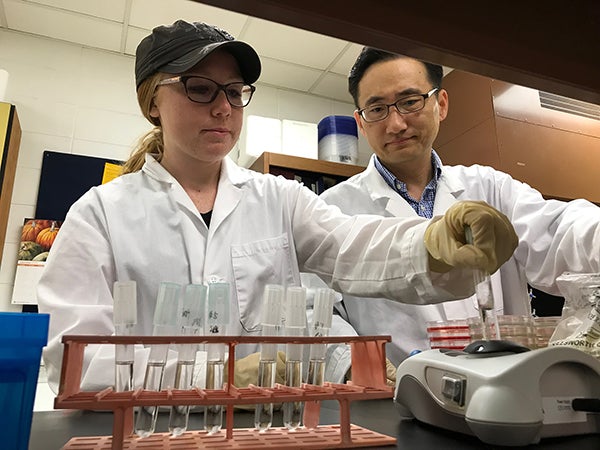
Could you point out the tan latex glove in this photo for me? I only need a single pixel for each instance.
(246, 370)
(494, 238)
(390, 373)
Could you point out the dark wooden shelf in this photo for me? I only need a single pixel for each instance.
(267, 160)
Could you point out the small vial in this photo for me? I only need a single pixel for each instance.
(125, 319)
(179, 415)
(295, 325)
(263, 413)
(166, 316)
(267, 366)
(485, 297)
(216, 324)
(145, 421)
(322, 315)
(191, 324)
(215, 370)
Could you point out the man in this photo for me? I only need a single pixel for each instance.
(400, 103)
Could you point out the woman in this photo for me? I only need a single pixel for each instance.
(184, 212)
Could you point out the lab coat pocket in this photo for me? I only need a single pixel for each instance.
(256, 264)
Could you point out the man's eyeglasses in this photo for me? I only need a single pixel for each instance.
(205, 90)
(404, 105)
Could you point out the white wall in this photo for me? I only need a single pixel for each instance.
(78, 100)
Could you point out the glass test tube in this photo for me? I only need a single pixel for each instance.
(191, 324)
(216, 324)
(267, 366)
(485, 296)
(166, 315)
(322, 315)
(124, 319)
(295, 325)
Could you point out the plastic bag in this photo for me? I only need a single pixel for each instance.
(579, 326)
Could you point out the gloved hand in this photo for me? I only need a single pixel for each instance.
(494, 238)
(246, 370)
(390, 373)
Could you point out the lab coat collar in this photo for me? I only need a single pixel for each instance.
(229, 192)
(381, 193)
(229, 170)
(156, 171)
(449, 190)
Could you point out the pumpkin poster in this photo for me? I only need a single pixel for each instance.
(37, 237)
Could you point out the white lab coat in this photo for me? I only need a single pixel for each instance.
(264, 229)
(554, 237)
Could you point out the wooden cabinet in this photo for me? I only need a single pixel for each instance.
(315, 174)
(551, 144)
(10, 139)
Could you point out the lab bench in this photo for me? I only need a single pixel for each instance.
(53, 429)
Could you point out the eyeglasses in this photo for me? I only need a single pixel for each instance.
(404, 105)
(205, 90)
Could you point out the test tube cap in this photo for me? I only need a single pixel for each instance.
(323, 307)
(295, 307)
(168, 305)
(125, 303)
(272, 300)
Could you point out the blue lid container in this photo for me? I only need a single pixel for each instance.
(22, 336)
(337, 125)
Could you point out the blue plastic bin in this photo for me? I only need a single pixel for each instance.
(22, 337)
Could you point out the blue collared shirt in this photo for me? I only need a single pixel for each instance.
(424, 206)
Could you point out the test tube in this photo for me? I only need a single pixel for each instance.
(192, 324)
(267, 366)
(216, 324)
(124, 319)
(295, 325)
(166, 315)
(484, 295)
(322, 314)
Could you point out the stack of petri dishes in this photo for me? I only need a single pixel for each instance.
(450, 334)
(515, 328)
(544, 327)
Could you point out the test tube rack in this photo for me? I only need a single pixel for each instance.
(368, 382)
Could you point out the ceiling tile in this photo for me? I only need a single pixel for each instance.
(292, 44)
(346, 61)
(106, 9)
(292, 76)
(134, 36)
(293, 59)
(73, 27)
(150, 13)
(333, 86)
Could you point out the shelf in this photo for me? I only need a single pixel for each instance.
(368, 382)
(267, 160)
